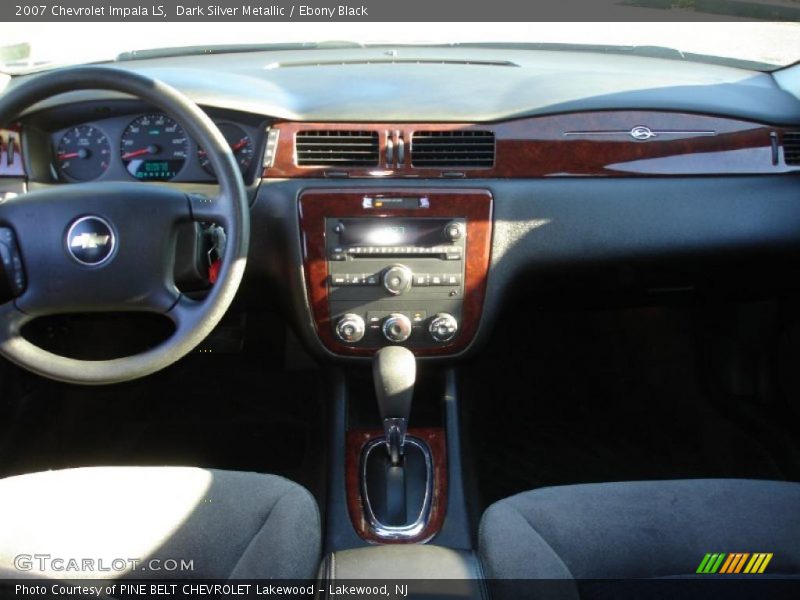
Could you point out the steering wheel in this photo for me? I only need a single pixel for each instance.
(110, 246)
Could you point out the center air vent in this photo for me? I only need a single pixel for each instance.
(337, 148)
(452, 149)
(791, 147)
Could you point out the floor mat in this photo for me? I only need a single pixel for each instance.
(227, 412)
(579, 397)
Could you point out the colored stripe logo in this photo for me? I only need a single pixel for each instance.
(734, 562)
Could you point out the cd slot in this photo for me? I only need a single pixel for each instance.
(440, 252)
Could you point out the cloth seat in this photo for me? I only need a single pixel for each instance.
(213, 524)
(648, 529)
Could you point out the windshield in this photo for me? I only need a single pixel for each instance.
(758, 45)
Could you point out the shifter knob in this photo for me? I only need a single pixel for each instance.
(394, 370)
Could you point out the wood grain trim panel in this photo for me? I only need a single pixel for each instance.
(551, 146)
(473, 204)
(435, 438)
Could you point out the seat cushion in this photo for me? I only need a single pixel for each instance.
(228, 524)
(642, 529)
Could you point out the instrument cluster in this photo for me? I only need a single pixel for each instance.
(147, 147)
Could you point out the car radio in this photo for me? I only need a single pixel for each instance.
(396, 279)
(393, 268)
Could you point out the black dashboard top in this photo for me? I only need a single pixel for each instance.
(457, 84)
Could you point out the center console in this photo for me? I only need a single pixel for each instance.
(404, 266)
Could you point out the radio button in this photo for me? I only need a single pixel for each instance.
(339, 279)
(418, 316)
(437, 280)
(421, 280)
(452, 279)
(454, 231)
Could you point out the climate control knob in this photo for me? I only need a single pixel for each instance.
(443, 327)
(397, 328)
(397, 279)
(350, 328)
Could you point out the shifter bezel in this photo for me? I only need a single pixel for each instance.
(416, 526)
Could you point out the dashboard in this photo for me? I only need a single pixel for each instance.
(404, 202)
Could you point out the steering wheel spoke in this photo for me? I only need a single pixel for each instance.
(11, 322)
(185, 312)
(208, 209)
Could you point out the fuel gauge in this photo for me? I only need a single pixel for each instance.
(240, 143)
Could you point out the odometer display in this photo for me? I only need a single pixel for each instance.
(83, 153)
(154, 147)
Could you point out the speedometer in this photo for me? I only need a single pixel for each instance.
(154, 147)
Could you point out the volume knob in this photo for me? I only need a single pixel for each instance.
(350, 328)
(443, 327)
(454, 231)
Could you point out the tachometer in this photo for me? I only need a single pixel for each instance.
(154, 147)
(240, 143)
(83, 153)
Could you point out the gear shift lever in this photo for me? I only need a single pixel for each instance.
(394, 370)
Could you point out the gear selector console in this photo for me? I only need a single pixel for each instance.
(396, 470)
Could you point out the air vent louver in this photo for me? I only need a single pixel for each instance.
(791, 147)
(337, 148)
(448, 149)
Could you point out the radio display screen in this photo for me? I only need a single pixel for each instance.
(392, 232)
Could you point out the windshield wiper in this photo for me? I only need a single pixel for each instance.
(231, 49)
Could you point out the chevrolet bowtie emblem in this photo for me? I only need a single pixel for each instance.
(89, 240)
